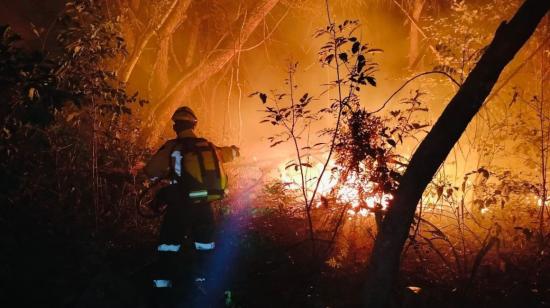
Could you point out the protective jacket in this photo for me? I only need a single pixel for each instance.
(159, 165)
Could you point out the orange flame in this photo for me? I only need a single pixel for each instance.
(348, 193)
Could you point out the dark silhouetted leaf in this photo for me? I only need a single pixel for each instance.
(355, 47)
(343, 56)
(371, 80)
(263, 97)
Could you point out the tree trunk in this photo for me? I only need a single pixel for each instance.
(193, 40)
(142, 42)
(414, 33)
(159, 78)
(383, 268)
(229, 47)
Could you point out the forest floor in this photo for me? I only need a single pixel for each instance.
(266, 263)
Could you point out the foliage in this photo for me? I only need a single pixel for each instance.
(277, 197)
(349, 59)
(73, 90)
(368, 147)
(29, 85)
(91, 43)
(461, 38)
(67, 141)
(484, 224)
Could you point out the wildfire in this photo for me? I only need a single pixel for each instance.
(292, 176)
(546, 203)
(347, 193)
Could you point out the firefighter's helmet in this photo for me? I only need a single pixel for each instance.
(184, 114)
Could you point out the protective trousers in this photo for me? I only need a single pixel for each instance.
(186, 241)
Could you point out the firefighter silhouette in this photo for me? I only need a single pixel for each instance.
(193, 167)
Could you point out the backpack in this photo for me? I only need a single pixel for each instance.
(196, 167)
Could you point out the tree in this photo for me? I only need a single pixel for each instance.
(229, 46)
(161, 66)
(413, 11)
(383, 267)
(155, 25)
(414, 31)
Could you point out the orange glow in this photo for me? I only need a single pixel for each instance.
(293, 177)
(347, 193)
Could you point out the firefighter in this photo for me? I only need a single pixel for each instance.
(193, 168)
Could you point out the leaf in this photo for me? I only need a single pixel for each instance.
(355, 47)
(291, 165)
(263, 97)
(483, 172)
(276, 143)
(395, 113)
(371, 80)
(304, 98)
(343, 56)
(361, 62)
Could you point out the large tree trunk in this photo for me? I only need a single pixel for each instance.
(229, 47)
(383, 268)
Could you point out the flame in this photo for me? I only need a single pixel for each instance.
(348, 193)
(292, 177)
(546, 203)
